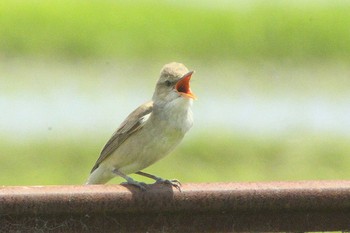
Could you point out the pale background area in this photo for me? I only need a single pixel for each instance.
(272, 80)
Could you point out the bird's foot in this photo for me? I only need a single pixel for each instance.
(131, 181)
(141, 185)
(175, 183)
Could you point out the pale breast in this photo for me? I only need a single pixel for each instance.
(157, 138)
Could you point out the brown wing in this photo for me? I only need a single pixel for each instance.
(130, 125)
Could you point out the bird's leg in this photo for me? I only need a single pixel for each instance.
(174, 182)
(130, 180)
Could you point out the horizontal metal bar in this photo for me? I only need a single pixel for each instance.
(203, 207)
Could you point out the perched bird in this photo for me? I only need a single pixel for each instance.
(150, 132)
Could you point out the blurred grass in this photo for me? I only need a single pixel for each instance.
(172, 30)
(168, 30)
(204, 158)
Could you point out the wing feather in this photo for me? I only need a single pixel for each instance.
(130, 125)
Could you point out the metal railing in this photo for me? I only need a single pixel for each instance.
(203, 207)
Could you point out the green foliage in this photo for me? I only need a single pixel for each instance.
(153, 29)
(204, 158)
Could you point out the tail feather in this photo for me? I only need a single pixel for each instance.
(99, 176)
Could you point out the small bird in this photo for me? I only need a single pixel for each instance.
(150, 132)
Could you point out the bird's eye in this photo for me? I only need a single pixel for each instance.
(168, 83)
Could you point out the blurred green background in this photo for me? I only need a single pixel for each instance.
(272, 80)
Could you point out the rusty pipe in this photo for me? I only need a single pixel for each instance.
(202, 207)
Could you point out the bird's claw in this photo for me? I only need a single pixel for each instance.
(175, 183)
(141, 185)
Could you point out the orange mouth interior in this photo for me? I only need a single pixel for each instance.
(183, 86)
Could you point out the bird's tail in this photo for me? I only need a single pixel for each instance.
(99, 176)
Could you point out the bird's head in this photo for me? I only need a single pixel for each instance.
(173, 83)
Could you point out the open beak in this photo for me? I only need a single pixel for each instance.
(183, 86)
